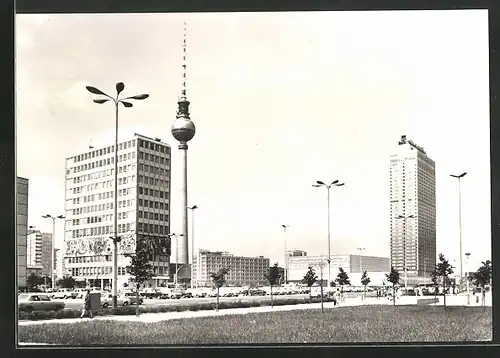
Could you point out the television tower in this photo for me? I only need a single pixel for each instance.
(183, 130)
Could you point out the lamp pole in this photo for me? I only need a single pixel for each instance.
(53, 253)
(328, 187)
(286, 254)
(404, 248)
(193, 208)
(116, 238)
(459, 177)
(467, 255)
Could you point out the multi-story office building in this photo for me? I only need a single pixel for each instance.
(353, 265)
(22, 229)
(46, 259)
(297, 253)
(59, 263)
(34, 248)
(412, 210)
(39, 251)
(242, 270)
(143, 208)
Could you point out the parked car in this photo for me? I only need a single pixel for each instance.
(30, 302)
(62, 293)
(150, 293)
(256, 292)
(78, 293)
(128, 298)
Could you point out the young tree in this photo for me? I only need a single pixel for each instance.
(393, 277)
(33, 281)
(434, 279)
(273, 276)
(310, 279)
(67, 282)
(140, 268)
(365, 280)
(342, 279)
(482, 277)
(444, 269)
(219, 280)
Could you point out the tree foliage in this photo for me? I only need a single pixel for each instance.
(219, 280)
(140, 268)
(273, 276)
(342, 278)
(67, 282)
(482, 277)
(33, 281)
(310, 279)
(444, 269)
(365, 280)
(393, 277)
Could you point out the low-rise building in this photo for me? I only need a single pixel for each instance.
(353, 265)
(243, 271)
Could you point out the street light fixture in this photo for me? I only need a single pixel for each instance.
(193, 208)
(119, 88)
(404, 247)
(176, 254)
(467, 255)
(53, 218)
(286, 254)
(334, 183)
(459, 177)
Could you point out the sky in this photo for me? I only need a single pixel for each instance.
(279, 101)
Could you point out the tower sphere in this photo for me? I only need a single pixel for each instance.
(183, 129)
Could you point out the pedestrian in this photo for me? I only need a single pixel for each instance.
(86, 304)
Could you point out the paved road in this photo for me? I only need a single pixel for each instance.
(77, 303)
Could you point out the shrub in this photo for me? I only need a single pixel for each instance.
(199, 306)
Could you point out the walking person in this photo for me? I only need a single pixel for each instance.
(86, 304)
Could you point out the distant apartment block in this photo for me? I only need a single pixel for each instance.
(412, 209)
(296, 253)
(353, 265)
(242, 270)
(22, 229)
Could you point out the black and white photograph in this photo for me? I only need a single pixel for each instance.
(237, 178)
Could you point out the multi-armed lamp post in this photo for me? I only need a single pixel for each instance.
(318, 184)
(286, 254)
(193, 283)
(53, 253)
(125, 102)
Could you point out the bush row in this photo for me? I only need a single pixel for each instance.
(202, 306)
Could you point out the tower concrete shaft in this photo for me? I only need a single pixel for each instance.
(184, 242)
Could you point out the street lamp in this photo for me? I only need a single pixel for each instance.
(361, 249)
(328, 187)
(176, 255)
(286, 255)
(53, 259)
(404, 247)
(193, 208)
(119, 88)
(459, 177)
(467, 255)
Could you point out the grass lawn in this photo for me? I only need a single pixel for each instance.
(345, 324)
